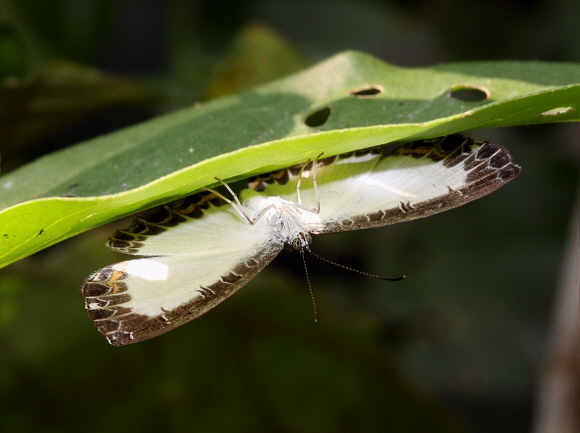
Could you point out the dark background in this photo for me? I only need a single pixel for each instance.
(458, 346)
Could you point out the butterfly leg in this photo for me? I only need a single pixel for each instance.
(239, 207)
(260, 214)
(300, 180)
(314, 165)
(316, 184)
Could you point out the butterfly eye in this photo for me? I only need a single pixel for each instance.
(301, 241)
(295, 243)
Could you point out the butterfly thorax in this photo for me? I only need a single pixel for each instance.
(291, 223)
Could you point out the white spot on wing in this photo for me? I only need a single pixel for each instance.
(150, 270)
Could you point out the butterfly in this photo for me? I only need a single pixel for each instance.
(202, 248)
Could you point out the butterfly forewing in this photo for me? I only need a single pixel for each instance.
(392, 184)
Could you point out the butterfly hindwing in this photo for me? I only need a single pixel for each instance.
(205, 259)
(199, 225)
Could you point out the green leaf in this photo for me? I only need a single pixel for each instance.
(268, 127)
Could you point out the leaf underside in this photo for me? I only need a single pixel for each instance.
(350, 101)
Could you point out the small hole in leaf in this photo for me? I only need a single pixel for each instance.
(556, 111)
(469, 93)
(318, 117)
(367, 91)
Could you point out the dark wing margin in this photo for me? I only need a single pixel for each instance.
(108, 299)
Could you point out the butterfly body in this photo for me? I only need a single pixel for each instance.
(202, 249)
(287, 220)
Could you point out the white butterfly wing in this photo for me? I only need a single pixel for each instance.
(388, 185)
(199, 225)
(208, 253)
(204, 251)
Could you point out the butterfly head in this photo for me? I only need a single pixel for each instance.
(301, 241)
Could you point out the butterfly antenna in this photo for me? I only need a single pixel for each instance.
(309, 287)
(402, 277)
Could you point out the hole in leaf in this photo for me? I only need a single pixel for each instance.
(367, 91)
(469, 93)
(556, 111)
(318, 117)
